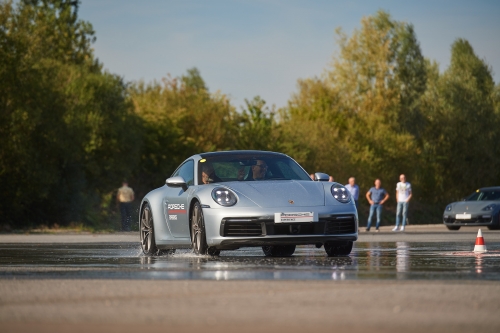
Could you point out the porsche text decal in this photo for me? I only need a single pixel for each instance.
(176, 209)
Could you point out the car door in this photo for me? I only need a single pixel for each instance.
(175, 203)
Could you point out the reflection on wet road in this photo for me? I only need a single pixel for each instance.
(369, 260)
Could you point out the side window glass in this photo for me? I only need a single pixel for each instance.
(186, 171)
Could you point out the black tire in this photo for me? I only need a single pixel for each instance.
(147, 233)
(452, 227)
(493, 227)
(338, 249)
(212, 251)
(278, 250)
(198, 236)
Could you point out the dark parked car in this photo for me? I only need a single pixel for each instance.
(481, 208)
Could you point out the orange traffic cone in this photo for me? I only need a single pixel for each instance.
(480, 247)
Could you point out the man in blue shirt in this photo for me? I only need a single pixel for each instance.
(376, 196)
(353, 188)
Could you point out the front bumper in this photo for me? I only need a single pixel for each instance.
(475, 220)
(256, 227)
(234, 243)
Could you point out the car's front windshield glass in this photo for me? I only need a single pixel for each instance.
(490, 195)
(230, 168)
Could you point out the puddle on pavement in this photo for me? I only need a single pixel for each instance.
(368, 260)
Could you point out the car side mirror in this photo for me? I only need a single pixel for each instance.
(176, 181)
(321, 177)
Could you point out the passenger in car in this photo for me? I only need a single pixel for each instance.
(208, 175)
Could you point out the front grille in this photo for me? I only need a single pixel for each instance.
(253, 226)
(240, 228)
(340, 225)
(315, 228)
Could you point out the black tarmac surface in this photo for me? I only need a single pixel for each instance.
(426, 279)
(369, 260)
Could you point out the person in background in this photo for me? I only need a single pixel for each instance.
(353, 189)
(403, 196)
(330, 179)
(376, 196)
(312, 176)
(124, 197)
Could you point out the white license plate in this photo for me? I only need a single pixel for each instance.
(463, 216)
(295, 217)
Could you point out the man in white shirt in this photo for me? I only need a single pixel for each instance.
(403, 196)
(354, 189)
(124, 197)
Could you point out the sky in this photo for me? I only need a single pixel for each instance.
(246, 48)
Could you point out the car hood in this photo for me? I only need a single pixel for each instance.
(471, 206)
(282, 193)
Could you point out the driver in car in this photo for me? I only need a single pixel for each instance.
(259, 170)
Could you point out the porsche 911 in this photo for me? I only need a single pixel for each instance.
(231, 199)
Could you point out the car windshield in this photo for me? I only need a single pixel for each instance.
(490, 195)
(230, 168)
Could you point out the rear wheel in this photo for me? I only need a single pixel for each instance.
(337, 249)
(198, 237)
(452, 227)
(148, 243)
(278, 250)
(493, 227)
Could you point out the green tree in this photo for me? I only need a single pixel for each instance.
(257, 127)
(359, 118)
(180, 118)
(65, 125)
(463, 125)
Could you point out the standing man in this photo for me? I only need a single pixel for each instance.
(376, 196)
(353, 189)
(124, 197)
(403, 196)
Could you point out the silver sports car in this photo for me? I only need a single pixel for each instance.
(481, 208)
(231, 199)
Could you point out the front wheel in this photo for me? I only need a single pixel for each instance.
(148, 243)
(213, 251)
(338, 249)
(198, 237)
(278, 250)
(452, 227)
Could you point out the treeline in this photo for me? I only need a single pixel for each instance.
(71, 132)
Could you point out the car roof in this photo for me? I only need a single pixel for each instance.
(240, 152)
(492, 188)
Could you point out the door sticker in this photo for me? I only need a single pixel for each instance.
(176, 209)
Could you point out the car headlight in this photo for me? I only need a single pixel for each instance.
(340, 193)
(223, 196)
(449, 207)
(490, 207)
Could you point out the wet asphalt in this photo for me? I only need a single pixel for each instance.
(426, 279)
(369, 260)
